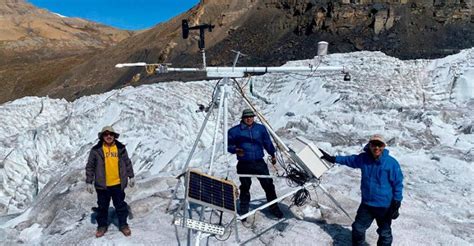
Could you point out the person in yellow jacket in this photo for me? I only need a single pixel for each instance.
(109, 171)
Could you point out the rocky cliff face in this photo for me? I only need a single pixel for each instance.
(37, 46)
(274, 31)
(406, 29)
(290, 29)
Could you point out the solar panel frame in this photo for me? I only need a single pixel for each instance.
(211, 191)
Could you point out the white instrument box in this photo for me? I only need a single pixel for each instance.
(307, 156)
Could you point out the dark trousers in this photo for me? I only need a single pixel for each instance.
(364, 218)
(258, 167)
(118, 198)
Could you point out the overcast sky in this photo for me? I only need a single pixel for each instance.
(123, 14)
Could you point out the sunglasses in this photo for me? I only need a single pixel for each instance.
(109, 134)
(377, 144)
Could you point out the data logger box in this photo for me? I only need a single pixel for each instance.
(308, 156)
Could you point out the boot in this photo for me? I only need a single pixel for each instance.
(101, 230)
(126, 230)
(275, 210)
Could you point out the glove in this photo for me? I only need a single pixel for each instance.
(327, 156)
(394, 207)
(131, 182)
(239, 152)
(90, 188)
(274, 161)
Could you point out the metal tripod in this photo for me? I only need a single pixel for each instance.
(221, 99)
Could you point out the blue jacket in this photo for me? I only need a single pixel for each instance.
(382, 179)
(252, 139)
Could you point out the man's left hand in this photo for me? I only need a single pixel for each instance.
(393, 211)
(131, 182)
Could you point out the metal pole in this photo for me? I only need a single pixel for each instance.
(226, 95)
(236, 59)
(335, 201)
(203, 58)
(226, 156)
(222, 107)
(250, 69)
(216, 129)
(237, 239)
(198, 137)
(258, 176)
(239, 69)
(190, 231)
(268, 204)
(198, 239)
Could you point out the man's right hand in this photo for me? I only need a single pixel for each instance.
(239, 152)
(327, 156)
(274, 160)
(90, 188)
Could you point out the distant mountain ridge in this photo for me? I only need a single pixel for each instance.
(37, 46)
(272, 32)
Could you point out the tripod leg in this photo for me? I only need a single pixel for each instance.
(185, 168)
(335, 202)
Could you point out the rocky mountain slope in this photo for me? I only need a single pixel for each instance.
(272, 32)
(37, 46)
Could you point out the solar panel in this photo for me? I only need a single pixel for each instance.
(211, 191)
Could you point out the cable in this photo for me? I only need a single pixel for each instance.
(214, 91)
(248, 81)
(220, 223)
(300, 198)
(223, 239)
(295, 176)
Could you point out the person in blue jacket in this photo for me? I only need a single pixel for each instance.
(381, 188)
(247, 140)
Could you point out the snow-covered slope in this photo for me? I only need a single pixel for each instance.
(424, 108)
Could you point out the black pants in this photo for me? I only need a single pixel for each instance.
(118, 198)
(364, 218)
(258, 167)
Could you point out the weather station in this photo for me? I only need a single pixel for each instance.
(206, 195)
